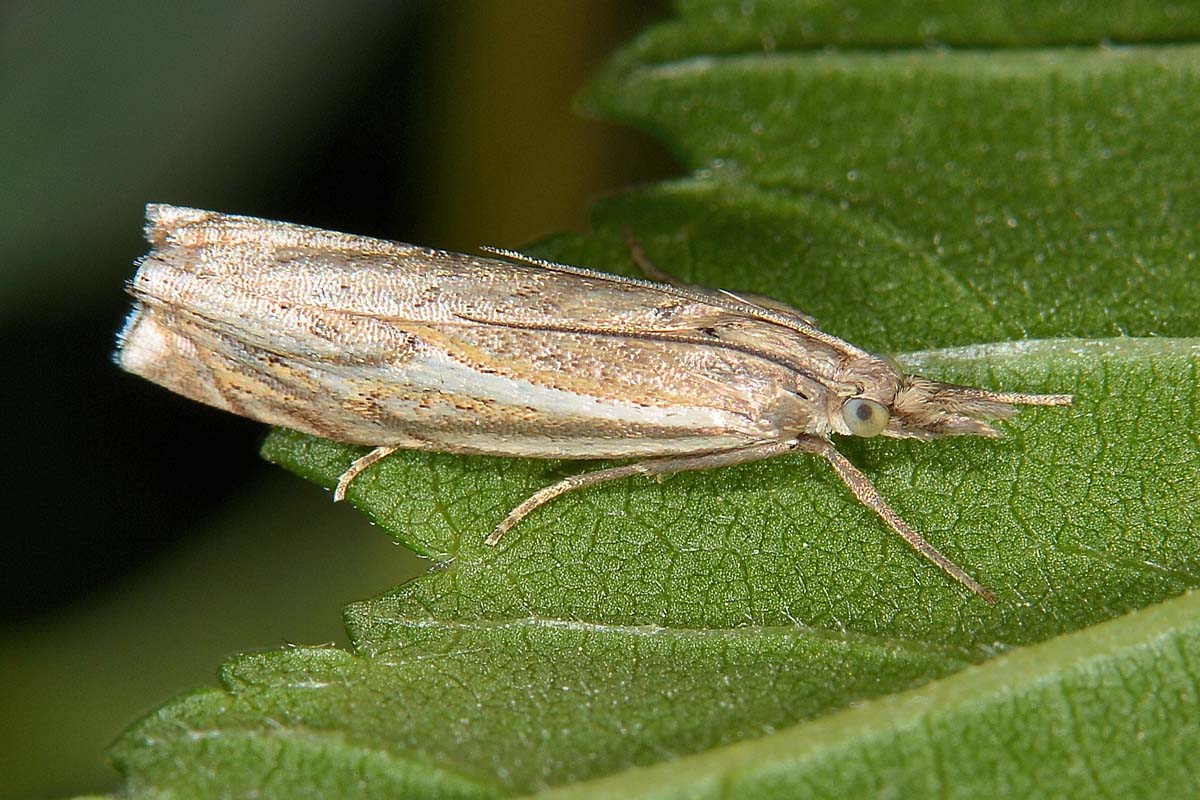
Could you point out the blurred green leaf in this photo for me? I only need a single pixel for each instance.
(926, 201)
(92, 131)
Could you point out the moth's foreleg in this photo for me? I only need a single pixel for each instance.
(352, 472)
(657, 466)
(869, 496)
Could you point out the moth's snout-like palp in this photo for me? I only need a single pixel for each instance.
(925, 409)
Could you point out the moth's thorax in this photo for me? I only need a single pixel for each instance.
(871, 377)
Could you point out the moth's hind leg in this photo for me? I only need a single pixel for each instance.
(356, 468)
(648, 267)
(654, 273)
(658, 466)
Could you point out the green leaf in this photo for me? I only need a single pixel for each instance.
(1106, 712)
(1007, 215)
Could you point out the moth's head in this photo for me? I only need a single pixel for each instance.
(912, 407)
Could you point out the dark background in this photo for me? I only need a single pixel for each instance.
(145, 540)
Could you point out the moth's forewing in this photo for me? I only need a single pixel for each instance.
(376, 342)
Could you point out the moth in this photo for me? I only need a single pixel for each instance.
(395, 346)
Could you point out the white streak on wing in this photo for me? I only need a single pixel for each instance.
(434, 371)
(546, 447)
(450, 376)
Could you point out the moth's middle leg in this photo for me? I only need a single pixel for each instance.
(657, 466)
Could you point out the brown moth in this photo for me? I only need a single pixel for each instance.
(400, 347)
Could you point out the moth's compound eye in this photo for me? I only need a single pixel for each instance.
(865, 417)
